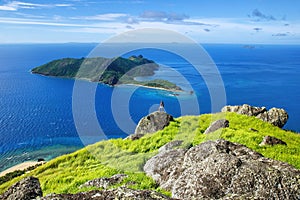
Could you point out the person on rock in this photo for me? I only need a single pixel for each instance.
(161, 107)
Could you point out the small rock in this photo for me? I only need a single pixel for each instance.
(222, 123)
(26, 189)
(135, 136)
(104, 182)
(269, 140)
(170, 145)
(252, 129)
(41, 160)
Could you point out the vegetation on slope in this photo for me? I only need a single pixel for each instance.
(108, 71)
(66, 173)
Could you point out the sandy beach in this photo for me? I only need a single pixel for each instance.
(156, 88)
(21, 166)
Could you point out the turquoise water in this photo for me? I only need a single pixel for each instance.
(36, 116)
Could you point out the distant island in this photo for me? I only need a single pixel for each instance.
(110, 71)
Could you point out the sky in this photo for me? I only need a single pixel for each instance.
(204, 21)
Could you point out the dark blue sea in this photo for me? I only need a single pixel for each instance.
(37, 113)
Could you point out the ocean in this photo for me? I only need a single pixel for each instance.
(37, 117)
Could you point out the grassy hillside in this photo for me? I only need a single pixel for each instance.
(66, 173)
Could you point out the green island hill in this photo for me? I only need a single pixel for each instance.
(67, 173)
(111, 71)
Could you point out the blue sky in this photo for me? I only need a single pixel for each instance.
(209, 21)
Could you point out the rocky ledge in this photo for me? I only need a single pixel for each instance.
(275, 116)
(223, 170)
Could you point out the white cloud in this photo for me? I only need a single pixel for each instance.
(37, 22)
(8, 8)
(163, 16)
(104, 17)
(212, 30)
(63, 5)
(16, 5)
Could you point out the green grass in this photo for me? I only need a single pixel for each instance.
(66, 173)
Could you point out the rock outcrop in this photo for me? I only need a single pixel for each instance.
(26, 189)
(269, 140)
(105, 182)
(221, 123)
(275, 116)
(151, 123)
(121, 193)
(223, 170)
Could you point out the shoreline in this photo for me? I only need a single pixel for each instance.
(21, 166)
(15, 158)
(130, 84)
(150, 87)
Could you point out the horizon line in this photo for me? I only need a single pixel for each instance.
(204, 43)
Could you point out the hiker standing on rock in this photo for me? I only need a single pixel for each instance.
(161, 107)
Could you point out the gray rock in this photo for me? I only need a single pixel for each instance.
(104, 182)
(170, 145)
(253, 129)
(113, 194)
(223, 170)
(26, 189)
(151, 123)
(221, 123)
(245, 110)
(276, 116)
(269, 140)
(135, 136)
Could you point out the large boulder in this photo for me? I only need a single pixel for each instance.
(121, 193)
(26, 189)
(151, 123)
(275, 116)
(223, 170)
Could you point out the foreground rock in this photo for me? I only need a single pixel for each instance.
(26, 189)
(275, 116)
(151, 123)
(268, 140)
(119, 193)
(223, 170)
(221, 123)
